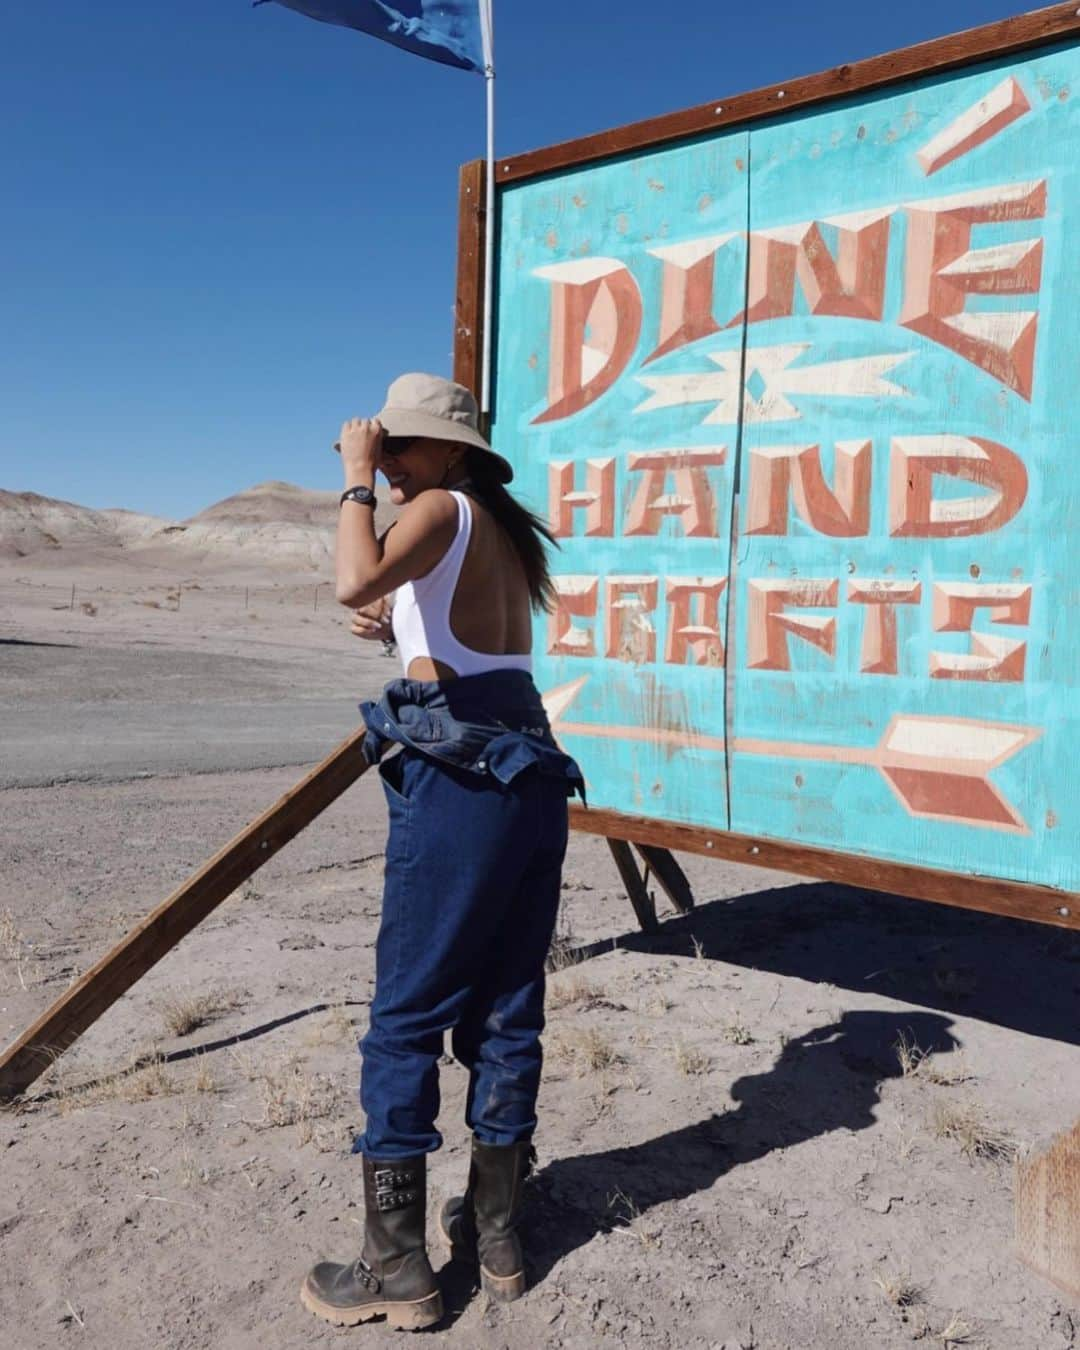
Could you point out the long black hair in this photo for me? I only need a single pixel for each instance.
(528, 533)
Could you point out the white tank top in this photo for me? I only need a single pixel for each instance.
(421, 614)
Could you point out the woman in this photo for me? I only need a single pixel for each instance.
(478, 827)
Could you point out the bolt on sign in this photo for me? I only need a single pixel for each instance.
(794, 380)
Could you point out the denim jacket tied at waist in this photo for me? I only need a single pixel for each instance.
(494, 723)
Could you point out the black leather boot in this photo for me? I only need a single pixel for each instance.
(481, 1225)
(393, 1278)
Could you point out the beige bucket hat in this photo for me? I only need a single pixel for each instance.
(428, 405)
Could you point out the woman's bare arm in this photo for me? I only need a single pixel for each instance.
(368, 568)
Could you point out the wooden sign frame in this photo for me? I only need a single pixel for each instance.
(1004, 38)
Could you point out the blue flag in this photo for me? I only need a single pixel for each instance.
(442, 30)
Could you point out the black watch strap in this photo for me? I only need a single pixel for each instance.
(363, 495)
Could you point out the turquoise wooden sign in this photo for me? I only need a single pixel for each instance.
(799, 401)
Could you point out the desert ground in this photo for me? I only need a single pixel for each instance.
(788, 1121)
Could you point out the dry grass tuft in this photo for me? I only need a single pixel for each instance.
(905, 1140)
(563, 952)
(914, 1060)
(587, 1050)
(955, 1332)
(967, 1125)
(334, 1027)
(631, 1220)
(736, 1033)
(909, 1054)
(566, 992)
(203, 1080)
(946, 1073)
(899, 1288)
(293, 1096)
(14, 947)
(690, 1061)
(596, 1051)
(11, 940)
(145, 1078)
(699, 948)
(184, 1013)
(191, 1174)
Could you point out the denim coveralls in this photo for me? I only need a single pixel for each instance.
(478, 832)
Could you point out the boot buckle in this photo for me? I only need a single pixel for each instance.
(388, 1194)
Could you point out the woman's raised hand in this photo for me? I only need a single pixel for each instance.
(373, 621)
(359, 444)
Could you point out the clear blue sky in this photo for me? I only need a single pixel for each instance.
(225, 229)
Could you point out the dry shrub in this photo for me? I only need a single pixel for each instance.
(967, 1125)
(88, 607)
(690, 1061)
(185, 1013)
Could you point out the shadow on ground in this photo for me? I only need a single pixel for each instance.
(828, 1079)
(25, 642)
(1025, 976)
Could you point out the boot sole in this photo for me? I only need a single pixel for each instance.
(405, 1316)
(502, 1288)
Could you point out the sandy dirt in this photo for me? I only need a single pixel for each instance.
(731, 1153)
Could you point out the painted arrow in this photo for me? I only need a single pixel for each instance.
(938, 767)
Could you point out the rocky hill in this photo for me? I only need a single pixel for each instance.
(275, 526)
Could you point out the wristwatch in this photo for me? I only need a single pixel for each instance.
(363, 495)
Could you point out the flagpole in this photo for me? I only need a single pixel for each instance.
(488, 38)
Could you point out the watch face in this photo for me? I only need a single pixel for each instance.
(363, 495)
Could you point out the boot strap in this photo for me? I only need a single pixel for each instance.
(366, 1275)
(393, 1189)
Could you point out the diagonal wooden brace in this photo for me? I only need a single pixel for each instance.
(672, 880)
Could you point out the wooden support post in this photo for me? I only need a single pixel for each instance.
(60, 1026)
(672, 879)
(635, 885)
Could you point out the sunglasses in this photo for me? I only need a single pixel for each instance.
(397, 445)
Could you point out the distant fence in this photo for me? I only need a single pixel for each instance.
(180, 596)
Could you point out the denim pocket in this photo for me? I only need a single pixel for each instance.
(392, 771)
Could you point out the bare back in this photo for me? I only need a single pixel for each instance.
(490, 611)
